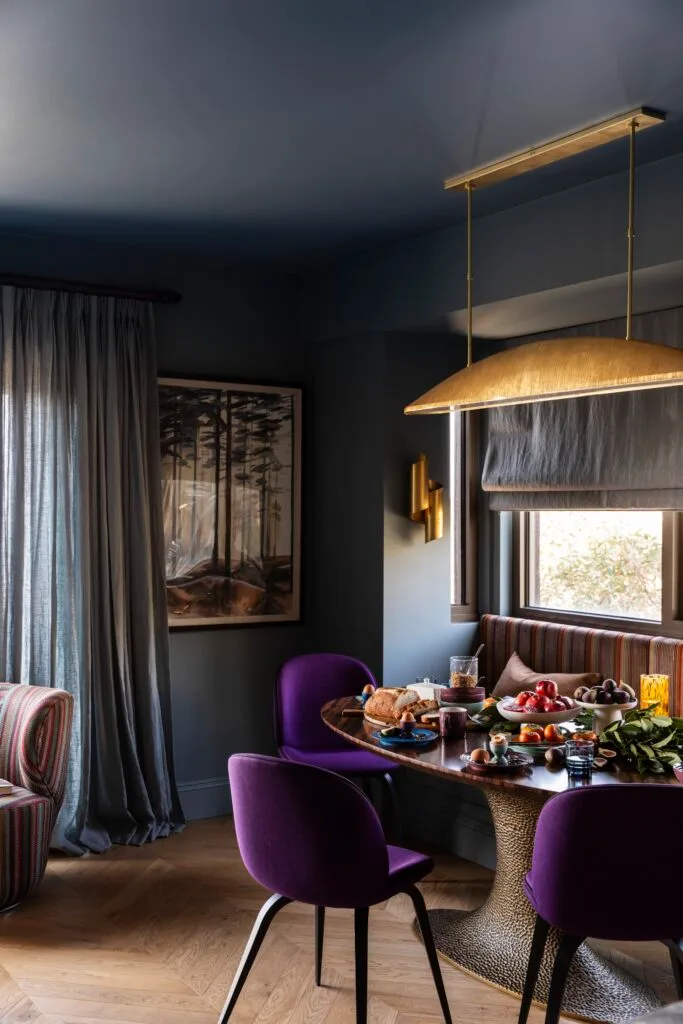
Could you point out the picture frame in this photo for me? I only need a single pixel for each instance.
(231, 455)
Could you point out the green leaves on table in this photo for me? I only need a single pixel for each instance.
(645, 740)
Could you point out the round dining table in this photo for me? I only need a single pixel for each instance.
(493, 942)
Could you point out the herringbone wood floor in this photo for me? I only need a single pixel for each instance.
(154, 935)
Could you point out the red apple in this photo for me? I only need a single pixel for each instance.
(546, 688)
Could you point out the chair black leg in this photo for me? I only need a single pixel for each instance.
(535, 958)
(361, 937)
(568, 946)
(258, 934)
(428, 939)
(395, 819)
(319, 937)
(676, 954)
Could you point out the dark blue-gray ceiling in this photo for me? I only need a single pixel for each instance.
(290, 129)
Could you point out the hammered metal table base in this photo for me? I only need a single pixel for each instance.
(493, 942)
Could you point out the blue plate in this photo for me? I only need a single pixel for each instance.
(420, 738)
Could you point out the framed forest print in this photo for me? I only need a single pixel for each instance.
(231, 498)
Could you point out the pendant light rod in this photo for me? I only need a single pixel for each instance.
(470, 274)
(630, 233)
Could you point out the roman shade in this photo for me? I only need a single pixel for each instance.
(599, 452)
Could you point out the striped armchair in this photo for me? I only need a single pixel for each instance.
(35, 728)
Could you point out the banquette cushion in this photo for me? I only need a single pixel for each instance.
(517, 676)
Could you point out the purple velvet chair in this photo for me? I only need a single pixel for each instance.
(312, 836)
(303, 685)
(593, 826)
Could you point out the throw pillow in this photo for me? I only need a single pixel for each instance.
(516, 676)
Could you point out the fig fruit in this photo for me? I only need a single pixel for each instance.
(629, 689)
(599, 762)
(606, 752)
(609, 685)
(621, 697)
(603, 697)
(554, 757)
(591, 697)
(580, 692)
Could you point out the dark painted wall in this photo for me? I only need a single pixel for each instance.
(418, 634)
(347, 485)
(236, 325)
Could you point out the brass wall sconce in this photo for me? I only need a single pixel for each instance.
(426, 500)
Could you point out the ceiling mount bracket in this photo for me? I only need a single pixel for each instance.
(557, 149)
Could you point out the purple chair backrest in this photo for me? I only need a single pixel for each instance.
(303, 685)
(307, 833)
(607, 862)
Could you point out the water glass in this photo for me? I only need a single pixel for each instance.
(579, 756)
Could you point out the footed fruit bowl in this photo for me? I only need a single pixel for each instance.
(607, 702)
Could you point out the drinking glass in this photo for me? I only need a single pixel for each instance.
(654, 689)
(465, 671)
(579, 756)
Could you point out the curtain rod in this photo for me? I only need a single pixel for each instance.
(168, 298)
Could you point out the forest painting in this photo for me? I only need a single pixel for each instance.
(231, 493)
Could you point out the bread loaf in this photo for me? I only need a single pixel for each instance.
(389, 702)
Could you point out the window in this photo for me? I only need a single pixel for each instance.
(617, 566)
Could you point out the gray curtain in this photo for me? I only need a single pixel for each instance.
(82, 598)
(603, 451)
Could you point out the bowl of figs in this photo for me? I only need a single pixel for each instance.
(608, 700)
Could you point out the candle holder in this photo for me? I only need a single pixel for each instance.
(654, 689)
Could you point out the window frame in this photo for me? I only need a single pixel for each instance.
(671, 623)
(464, 485)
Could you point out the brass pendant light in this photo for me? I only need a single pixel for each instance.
(542, 371)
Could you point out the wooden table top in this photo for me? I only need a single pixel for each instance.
(443, 758)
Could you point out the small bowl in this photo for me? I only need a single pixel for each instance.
(678, 771)
(471, 709)
(542, 717)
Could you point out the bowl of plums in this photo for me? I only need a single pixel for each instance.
(608, 700)
(544, 705)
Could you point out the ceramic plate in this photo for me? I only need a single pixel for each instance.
(419, 738)
(515, 763)
(535, 750)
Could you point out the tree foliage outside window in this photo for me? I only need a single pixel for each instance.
(607, 563)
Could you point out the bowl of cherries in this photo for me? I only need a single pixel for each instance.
(543, 705)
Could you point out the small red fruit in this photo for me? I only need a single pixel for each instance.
(546, 688)
(532, 702)
(543, 704)
(523, 697)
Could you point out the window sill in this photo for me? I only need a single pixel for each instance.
(614, 623)
(464, 613)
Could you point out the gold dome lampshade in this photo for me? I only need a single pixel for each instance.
(543, 371)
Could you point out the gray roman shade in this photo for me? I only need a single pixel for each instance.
(606, 451)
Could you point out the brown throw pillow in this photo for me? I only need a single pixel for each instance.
(516, 676)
